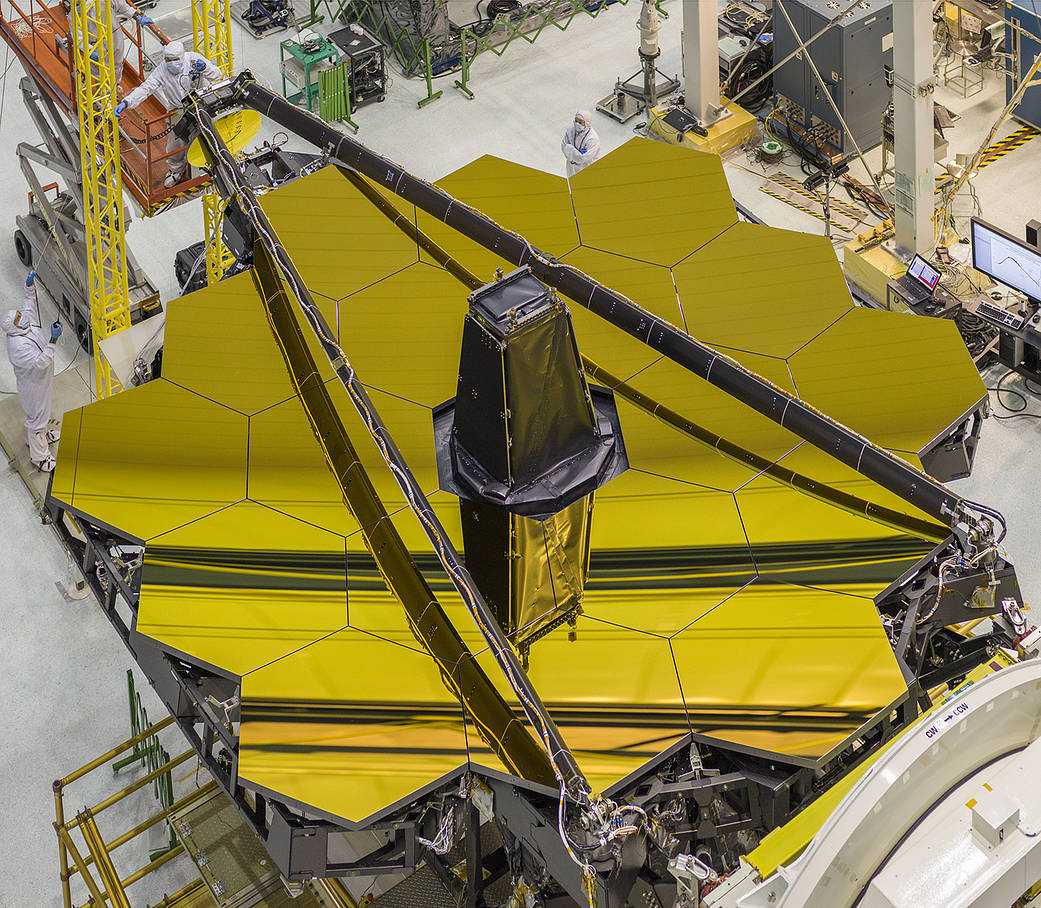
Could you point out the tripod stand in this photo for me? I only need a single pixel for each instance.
(827, 175)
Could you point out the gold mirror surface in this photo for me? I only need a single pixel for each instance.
(721, 599)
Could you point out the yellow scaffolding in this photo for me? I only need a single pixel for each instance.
(99, 852)
(211, 26)
(95, 99)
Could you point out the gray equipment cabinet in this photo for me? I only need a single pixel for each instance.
(851, 58)
(1023, 41)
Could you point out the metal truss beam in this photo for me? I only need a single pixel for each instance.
(211, 28)
(100, 164)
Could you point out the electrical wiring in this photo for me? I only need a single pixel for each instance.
(957, 562)
(442, 841)
(1019, 412)
(754, 154)
(866, 196)
(960, 561)
(808, 146)
(993, 514)
(954, 277)
(746, 21)
(744, 75)
(747, 74)
(497, 8)
(974, 331)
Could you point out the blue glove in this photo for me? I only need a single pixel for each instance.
(198, 66)
(582, 150)
(30, 278)
(56, 331)
(120, 107)
(94, 56)
(142, 19)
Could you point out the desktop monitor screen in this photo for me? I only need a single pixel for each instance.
(923, 272)
(1007, 260)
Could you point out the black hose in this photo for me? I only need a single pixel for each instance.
(496, 8)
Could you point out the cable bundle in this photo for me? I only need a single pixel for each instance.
(974, 331)
(866, 196)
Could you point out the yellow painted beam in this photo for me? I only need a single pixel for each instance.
(95, 94)
(211, 30)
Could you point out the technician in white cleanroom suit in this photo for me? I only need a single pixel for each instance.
(181, 73)
(120, 10)
(581, 144)
(32, 358)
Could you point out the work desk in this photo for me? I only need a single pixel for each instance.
(982, 12)
(1018, 348)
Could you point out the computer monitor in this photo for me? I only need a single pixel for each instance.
(1007, 260)
(923, 272)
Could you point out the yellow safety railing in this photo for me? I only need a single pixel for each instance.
(107, 885)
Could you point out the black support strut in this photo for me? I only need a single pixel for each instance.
(888, 470)
(545, 753)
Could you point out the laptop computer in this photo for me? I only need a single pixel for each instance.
(919, 282)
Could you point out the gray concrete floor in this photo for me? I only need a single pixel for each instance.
(65, 669)
(65, 703)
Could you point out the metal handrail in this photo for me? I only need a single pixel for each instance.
(36, 29)
(81, 863)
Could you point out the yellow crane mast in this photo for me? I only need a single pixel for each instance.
(211, 24)
(95, 97)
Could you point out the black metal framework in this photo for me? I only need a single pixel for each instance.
(709, 797)
(951, 456)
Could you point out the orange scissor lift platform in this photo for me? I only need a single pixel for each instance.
(40, 36)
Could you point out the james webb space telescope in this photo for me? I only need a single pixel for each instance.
(688, 601)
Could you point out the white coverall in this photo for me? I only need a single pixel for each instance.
(581, 146)
(32, 358)
(120, 10)
(171, 89)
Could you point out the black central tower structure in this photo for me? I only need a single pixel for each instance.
(524, 445)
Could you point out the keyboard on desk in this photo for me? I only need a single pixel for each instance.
(1001, 317)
